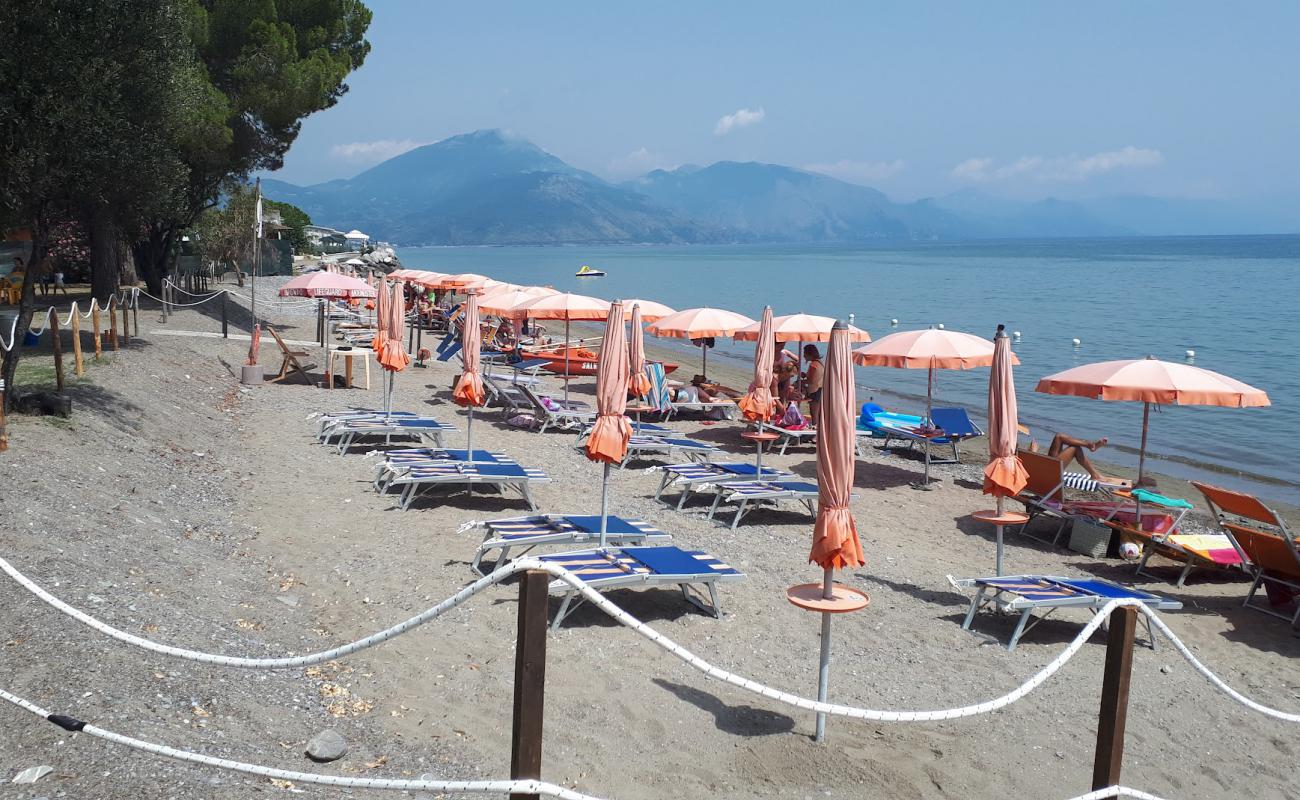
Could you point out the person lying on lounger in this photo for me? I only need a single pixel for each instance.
(1071, 448)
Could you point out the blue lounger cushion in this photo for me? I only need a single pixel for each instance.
(690, 444)
(669, 560)
(591, 524)
(1108, 590)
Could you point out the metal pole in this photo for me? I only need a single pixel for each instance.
(57, 346)
(530, 680)
(604, 505)
(126, 321)
(1142, 454)
(568, 362)
(824, 670)
(469, 435)
(225, 323)
(1001, 502)
(257, 249)
(1114, 698)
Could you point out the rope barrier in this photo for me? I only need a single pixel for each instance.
(170, 304)
(112, 304)
(668, 645)
(1116, 791)
(74, 725)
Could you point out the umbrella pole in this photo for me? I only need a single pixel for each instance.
(604, 505)
(568, 362)
(824, 669)
(1001, 500)
(929, 402)
(469, 436)
(1142, 454)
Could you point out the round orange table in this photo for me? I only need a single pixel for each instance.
(999, 520)
(759, 437)
(637, 411)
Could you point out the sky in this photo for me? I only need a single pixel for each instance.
(1027, 100)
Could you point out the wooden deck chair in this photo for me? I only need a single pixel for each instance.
(290, 360)
(1270, 552)
(1044, 494)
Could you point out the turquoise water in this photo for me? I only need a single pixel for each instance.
(1233, 300)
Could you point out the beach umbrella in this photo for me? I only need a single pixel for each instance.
(800, 328)
(469, 391)
(608, 439)
(757, 404)
(928, 349)
(835, 535)
(1150, 380)
(460, 280)
(650, 310)
(1004, 475)
(700, 324)
(568, 307)
(326, 285)
(392, 355)
(638, 381)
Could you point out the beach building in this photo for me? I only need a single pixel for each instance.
(356, 239)
(326, 240)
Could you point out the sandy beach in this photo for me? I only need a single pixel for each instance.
(179, 506)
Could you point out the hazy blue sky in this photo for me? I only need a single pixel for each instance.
(1023, 99)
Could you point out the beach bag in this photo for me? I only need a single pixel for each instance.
(522, 421)
(792, 419)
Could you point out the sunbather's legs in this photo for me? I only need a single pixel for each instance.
(1069, 448)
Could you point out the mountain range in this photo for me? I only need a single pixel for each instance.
(489, 187)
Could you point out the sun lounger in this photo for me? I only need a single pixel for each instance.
(635, 567)
(1159, 533)
(661, 397)
(695, 475)
(333, 418)
(399, 462)
(568, 416)
(750, 494)
(791, 436)
(955, 424)
(1046, 593)
(1044, 493)
(348, 432)
(1266, 544)
(522, 534)
(420, 479)
(643, 444)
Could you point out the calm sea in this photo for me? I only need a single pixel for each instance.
(1234, 300)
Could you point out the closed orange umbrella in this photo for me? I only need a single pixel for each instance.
(381, 302)
(1004, 475)
(609, 437)
(393, 357)
(835, 535)
(757, 404)
(638, 381)
(1149, 380)
(469, 390)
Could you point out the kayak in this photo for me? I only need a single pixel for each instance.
(587, 272)
(574, 361)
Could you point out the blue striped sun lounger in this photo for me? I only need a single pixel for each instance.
(634, 567)
(399, 462)
(748, 495)
(692, 475)
(334, 418)
(525, 533)
(1047, 593)
(451, 474)
(348, 432)
(643, 444)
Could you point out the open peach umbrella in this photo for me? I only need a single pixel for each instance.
(393, 357)
(638, 381)
(700, 324)
(928, 349)
(568, 307)
(800, 328)
(460, 280)
(1150, 380)
(651, 311)
(1004, 475)
(608, 440)
(469, 391)
(757, 404)
(835, 534)
(326, 285)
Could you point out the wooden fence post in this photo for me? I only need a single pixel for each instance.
(135, 311)
(530, 679)
(79, 365)
(112, 327)
(94, 321)
(126, 320)
(56, 345)
(1109, 758)
(4, 432)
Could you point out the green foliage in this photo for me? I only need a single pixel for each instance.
(295, 219)
(225, 234)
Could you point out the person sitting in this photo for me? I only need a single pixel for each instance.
(1068, 448)
(505, 338)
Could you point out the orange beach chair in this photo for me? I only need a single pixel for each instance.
(1270, 552)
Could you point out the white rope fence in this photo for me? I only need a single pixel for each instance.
(403, 785)
(668, 645)
(133, 301)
